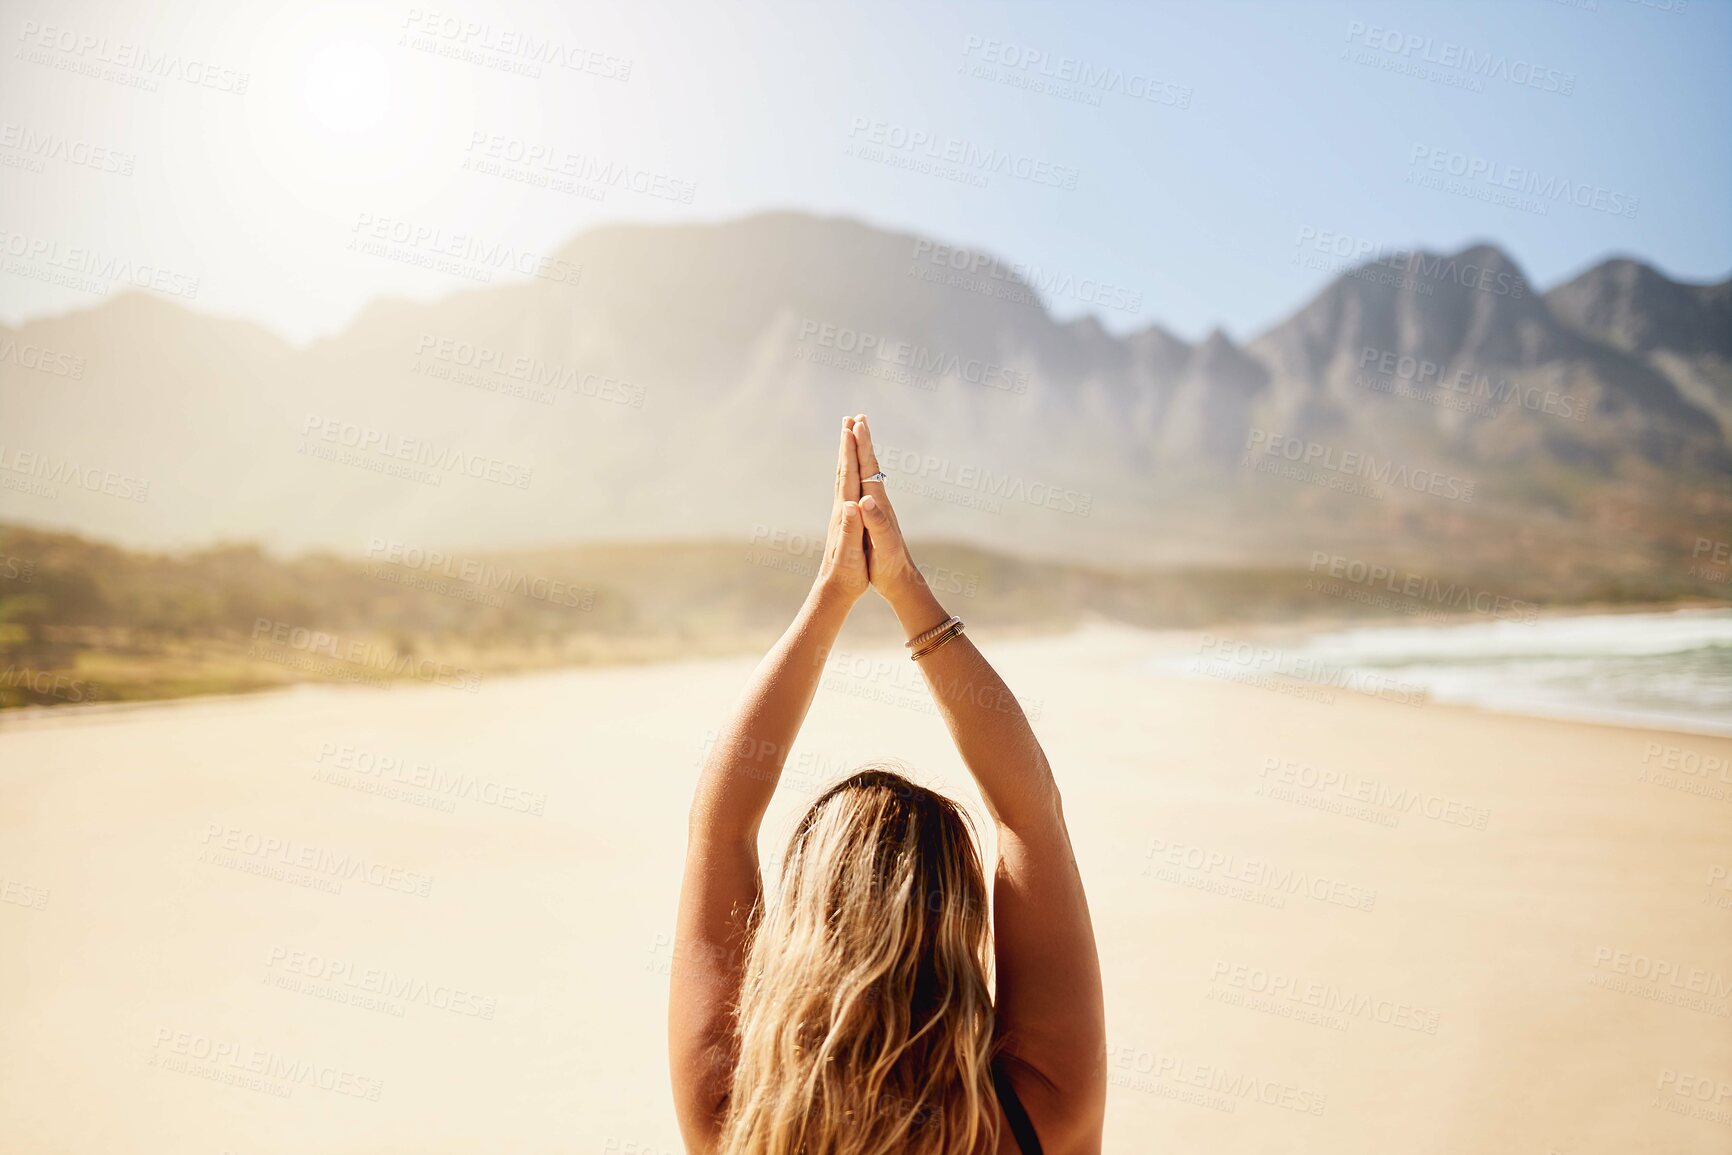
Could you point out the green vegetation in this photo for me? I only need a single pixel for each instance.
(86, 621)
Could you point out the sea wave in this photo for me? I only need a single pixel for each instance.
(1669, 670)
(1664, 670)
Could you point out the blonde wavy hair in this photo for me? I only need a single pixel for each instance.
(865, 1015)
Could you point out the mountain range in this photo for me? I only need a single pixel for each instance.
(687, 381)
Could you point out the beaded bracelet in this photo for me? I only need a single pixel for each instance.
(919, 640)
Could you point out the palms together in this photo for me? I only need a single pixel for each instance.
(864, 545)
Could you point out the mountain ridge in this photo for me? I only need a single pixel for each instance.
(1721, 289)
(685, 385)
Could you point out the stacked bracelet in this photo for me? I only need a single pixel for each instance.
(947, 633)
(919, 640)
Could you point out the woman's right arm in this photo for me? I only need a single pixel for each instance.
(1050, 1008)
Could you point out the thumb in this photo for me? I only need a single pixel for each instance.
(852, 524)
(877, 517)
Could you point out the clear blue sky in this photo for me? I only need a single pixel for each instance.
(1198, 209)
(1202, 207)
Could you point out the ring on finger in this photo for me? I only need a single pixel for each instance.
(879, 476)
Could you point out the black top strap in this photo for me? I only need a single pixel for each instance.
(1020, 1127)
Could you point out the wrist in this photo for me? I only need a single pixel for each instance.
(828, 602)
(917, 608)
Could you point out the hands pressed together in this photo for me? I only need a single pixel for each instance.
(1049, 994)
(864, 546)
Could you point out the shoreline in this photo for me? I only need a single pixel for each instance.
(1144, 647)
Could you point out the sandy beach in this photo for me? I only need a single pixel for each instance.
(347, 920)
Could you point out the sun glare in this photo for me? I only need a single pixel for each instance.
(344, 89)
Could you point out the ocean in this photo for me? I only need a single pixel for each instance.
(1669, 670)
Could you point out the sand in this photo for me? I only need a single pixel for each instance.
(1334, 926)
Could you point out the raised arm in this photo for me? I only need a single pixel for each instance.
(1050, 1009)
(721, 884)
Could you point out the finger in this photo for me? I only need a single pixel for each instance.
(880, 525)
(868, 459)
(847, 468)
(853, 527)
(849, 548)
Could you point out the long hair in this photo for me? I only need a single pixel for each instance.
(865, 1014)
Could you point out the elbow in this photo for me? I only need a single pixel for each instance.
(709, 822)
(1037, 810)
(1051, 804)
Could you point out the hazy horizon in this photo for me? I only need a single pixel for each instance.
(1157, 171)
(1110, 319)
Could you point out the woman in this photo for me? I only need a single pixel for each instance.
(850, 1012)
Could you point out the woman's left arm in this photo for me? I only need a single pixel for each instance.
(721, 885)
